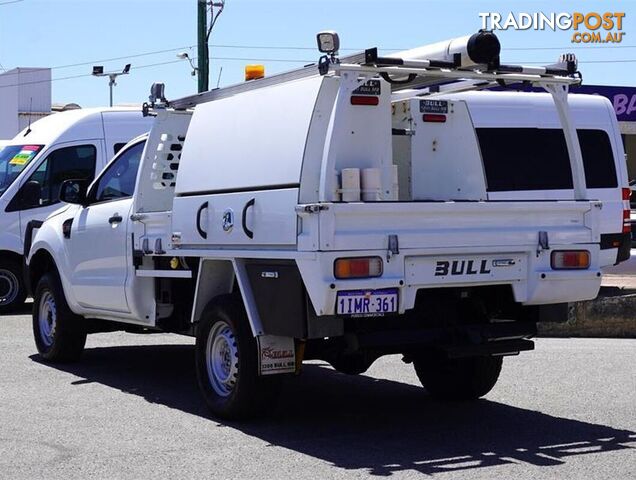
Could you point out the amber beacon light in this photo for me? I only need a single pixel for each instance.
(254, 72)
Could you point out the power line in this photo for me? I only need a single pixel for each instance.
(112, 59)
(10, 1)
(579, 47)
(251, 59)
(290, 47)
(139, 67)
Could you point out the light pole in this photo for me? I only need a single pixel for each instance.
(98, 71)
(203, 36)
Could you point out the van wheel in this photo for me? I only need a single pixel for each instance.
(12, 289)
(227, 363)
(457, 379)
(59, 334)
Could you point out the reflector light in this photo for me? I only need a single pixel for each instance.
(364, 100)
(362, 267)
(626, 214)
(434, 117)
(570, 259)
(627, 192)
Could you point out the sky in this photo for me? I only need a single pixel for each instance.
(59, 33)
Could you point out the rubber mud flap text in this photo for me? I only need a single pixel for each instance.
(276, 355)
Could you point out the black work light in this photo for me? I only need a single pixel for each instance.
(328, 42)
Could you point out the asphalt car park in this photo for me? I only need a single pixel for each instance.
(131, 409)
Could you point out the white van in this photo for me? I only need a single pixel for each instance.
(67, 145)
(524, 155)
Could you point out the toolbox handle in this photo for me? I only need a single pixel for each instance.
(202, 232)
(247, 231)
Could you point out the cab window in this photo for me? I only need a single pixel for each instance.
(118, 181)
(76, 162)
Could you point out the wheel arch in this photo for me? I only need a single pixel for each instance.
(218, 277)
(41, 262)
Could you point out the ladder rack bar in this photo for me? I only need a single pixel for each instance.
(461, 74)
(215, 94)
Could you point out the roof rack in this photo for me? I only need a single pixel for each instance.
(406, 73)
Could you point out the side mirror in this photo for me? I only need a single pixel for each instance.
(31, 194)
(74, 191)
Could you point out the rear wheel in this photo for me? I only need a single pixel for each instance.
(12, 289)
(59, 334)
(465, 378)
(227, 363)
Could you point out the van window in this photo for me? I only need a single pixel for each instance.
(118, 181)
(537, 159)
(14, 159)
(598, 159)
(524, 159)
(76, 162)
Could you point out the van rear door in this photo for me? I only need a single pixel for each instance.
(525, 156)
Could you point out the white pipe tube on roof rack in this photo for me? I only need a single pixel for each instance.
(477, 49)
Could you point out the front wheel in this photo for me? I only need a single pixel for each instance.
(457, 379)
(227, 363)
(59, 334)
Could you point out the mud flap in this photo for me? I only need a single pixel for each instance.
(276, 355)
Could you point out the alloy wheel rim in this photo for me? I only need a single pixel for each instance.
(222, 359)
(47, 318)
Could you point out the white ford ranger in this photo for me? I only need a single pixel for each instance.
(344, 214)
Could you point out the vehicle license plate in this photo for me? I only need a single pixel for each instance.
(367, 302)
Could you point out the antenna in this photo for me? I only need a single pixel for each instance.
(218, 81)
(30, 115)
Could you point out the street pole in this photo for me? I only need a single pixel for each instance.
(111, 84)
(202, 33)
(98, 71)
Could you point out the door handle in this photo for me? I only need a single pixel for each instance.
(116, 218)
(247, 231)
(202, 232)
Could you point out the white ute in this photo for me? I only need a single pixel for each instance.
(364, 208)
(67, 145)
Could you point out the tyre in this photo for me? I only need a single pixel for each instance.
(227, 363)
(457, 379)
(59, 334)
(12, 288)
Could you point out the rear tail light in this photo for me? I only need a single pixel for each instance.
(361, 267)
(434, 117)
(626, 194)
(365, 100)
(570, 260)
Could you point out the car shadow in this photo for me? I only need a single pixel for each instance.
(25, 309)
(359, 422)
